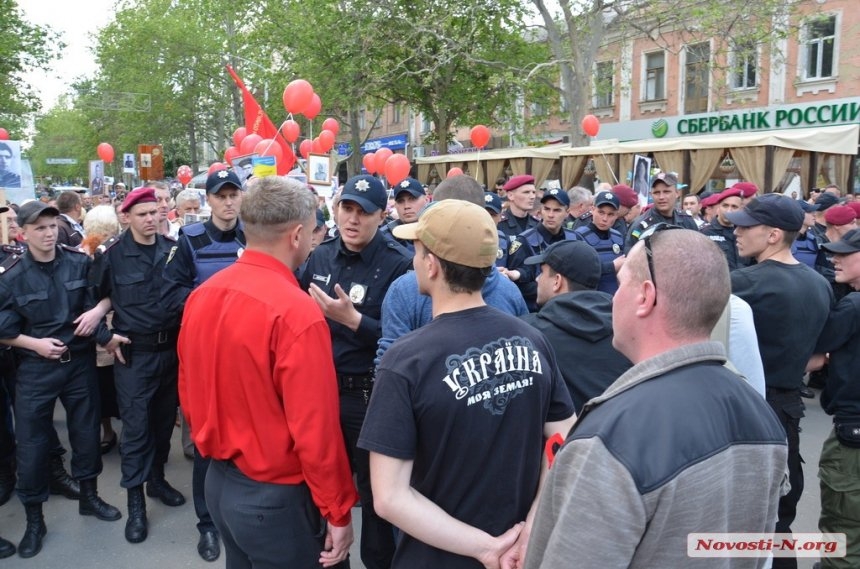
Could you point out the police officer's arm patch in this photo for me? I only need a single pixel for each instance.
(172, 253)
(515, 245)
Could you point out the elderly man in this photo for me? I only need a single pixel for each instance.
(279, 487)
(187, 204)
(626, 490)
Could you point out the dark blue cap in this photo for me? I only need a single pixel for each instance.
(575, 260)
(558, 195)
(826, 200)
(221, 178)
(773, 210)
(850, 243)
(808, 207)
(410, 185)
(493, 202)
(366, 191)
(320, 218)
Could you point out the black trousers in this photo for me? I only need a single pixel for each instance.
(40, 383)
(377, 535)
(198, 493)
(263, 525)
(147, 397)
(789, 409)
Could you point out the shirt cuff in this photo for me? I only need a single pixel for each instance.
(342, 521)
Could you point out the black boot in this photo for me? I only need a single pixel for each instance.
(7, 548)
(136, 526)
(7, 485)
(92, 505)
(159, 488)
(61, 482)
(31, 543)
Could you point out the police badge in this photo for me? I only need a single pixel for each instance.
(616, 249)
(357, 292)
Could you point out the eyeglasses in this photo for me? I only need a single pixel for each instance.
(646, 237)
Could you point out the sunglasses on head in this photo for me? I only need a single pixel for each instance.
(647, 237)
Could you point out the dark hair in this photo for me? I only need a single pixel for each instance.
(6, 147)
(461, 278)
(67, 201)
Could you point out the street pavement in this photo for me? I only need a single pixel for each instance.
(76, 541)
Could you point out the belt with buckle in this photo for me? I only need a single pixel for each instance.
(154, 342)
(355, 382)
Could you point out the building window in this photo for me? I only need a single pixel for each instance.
(426, 125)
(396, 115)
(604, 85)
(655, 76)
(538, 110)
(362, 118)
(744, 63)
(696, 74)
(820, 47)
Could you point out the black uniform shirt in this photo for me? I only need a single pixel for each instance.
(513, 226)
(132, 279)
(365, 276)
(42, 300)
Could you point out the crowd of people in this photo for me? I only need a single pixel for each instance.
(514, 378)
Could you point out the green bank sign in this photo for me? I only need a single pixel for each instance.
(789, 117)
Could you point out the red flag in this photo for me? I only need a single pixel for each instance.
(257, 121)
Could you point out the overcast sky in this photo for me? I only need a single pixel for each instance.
(77, 20)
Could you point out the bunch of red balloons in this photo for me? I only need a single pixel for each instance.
(184, 174)
(300, 98)
(395, 167)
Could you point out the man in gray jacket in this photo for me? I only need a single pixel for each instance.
(656, 457)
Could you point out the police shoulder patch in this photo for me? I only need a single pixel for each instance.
(102, 249)
(70, 249)
(171, 254)
(9, 262)
(515, 245)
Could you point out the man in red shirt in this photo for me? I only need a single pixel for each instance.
(266, 410)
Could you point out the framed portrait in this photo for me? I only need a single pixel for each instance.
(244, 166)
(319, 169)
(128, 163)
(642, 178)
(97, 177)
(10, 164)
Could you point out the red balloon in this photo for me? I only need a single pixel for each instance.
(313, 108)
(216, 167)
(305, 148)
(230, 153)
(239, 135)
(270, 147)
(590, 125)
(184, 174)
(397, 168)
(454, 172)
(249, 143)
(105, 151)
(326, 140)
(291, 130)
(480, 135)
(332, 125)
(382, 156)
(369, 162)
(297, 96)
(316, 146)
(4, 134)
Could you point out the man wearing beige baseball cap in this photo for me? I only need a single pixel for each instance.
(461, 406)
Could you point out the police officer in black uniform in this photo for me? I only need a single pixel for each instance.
(42, 296)
(128, 270)
(664, 191)
(608, 242)
(521, 192)
(348, 276)
(203, 249)
(722, 232)
(493, 205)
(805, 246)
(409, 199)
(535, 241)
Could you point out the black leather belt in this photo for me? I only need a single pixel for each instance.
(154, 342)
(355, 382)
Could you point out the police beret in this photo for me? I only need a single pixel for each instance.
(518, 181)
(728, 193)
(136, 196)
(748, 189)
(410, 185)
(856, 207)
(840, 215)
(710, 200)
(626, 195)
(558, 195)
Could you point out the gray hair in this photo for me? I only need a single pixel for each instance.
(273, 203)
(187, 196)
(102, 220)
(578, 195)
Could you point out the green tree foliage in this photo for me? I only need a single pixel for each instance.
(23, 47)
